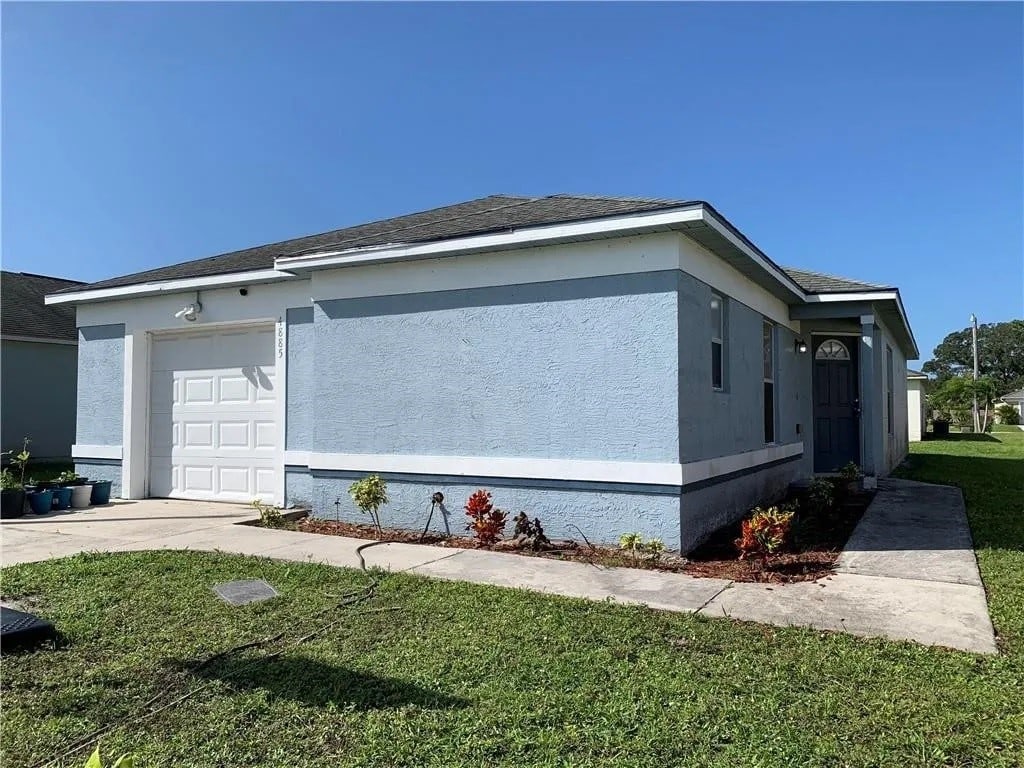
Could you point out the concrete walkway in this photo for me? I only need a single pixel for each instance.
(908, 571)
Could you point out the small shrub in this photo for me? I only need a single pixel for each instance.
(821, 495)
(1007, 414)
(19, 460)
(270, 516)
(531, 532)
(849, 472)
(639, 549)
(765, 532)
(485, 521)
(370, 494)
(67, 476)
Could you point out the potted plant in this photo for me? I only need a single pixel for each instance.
(12, 495)
(100, 492)
(81, 494)
(12, 486)
(40, 501)
(61, 497)
(68, 478)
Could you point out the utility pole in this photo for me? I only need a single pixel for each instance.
(974, 347)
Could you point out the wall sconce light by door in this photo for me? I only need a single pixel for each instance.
(801, 346)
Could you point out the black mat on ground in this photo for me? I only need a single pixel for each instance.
(22, 631)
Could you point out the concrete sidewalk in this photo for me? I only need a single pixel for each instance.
(908, 571)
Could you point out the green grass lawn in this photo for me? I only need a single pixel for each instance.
(463, 675)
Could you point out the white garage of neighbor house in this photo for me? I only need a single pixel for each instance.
(616, 364)
(917, 414)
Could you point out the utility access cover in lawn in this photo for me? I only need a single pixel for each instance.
(245, 592)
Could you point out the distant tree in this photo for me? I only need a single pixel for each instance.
(954, 398)
(1000, 355)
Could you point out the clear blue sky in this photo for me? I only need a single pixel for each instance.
(882, 142)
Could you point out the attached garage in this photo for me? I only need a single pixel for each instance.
(213, 428)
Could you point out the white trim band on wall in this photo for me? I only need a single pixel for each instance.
(86, 452)
(578, 470)
(698, 471)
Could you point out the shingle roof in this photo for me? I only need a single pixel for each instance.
(818, 282)
(497, 213)
(24, 313)
(1014, 396)
(912, 374)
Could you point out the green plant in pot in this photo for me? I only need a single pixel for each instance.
(12, 484)
(69, 478)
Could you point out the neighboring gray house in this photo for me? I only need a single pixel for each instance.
(917, 404)
(1014, 400)
(616, 364)
(38, 366)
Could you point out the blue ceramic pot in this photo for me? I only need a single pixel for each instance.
(40, 502)
(100, 492)
(61, 498)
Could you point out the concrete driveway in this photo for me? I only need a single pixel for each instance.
(907, 573)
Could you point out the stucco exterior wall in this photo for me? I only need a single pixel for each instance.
(603, 512)
(100, 417)
(299, 414)
(705, 509)
(37, 397)
(895, 436)
(582, 369)
(102, 470)
(720, 423)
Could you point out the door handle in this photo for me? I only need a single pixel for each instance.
(856, 406)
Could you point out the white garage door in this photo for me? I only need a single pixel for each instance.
(213, 428)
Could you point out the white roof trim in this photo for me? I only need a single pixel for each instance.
(169, 286)
(520, 238)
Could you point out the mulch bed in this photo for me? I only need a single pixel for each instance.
(818, 541)
(817, 544)
(556, 550)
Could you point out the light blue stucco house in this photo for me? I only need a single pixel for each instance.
(613, 364)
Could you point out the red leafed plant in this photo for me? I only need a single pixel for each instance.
(765, 532)
(485, 521)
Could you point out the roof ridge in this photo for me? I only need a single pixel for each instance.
(624, 199)
(354, 243)
(43, 277)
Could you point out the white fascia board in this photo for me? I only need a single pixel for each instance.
(825, 298)
(169, 286)
(725, 231)
(533, 236)
(697, 471)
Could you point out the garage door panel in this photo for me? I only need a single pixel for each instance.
(197, 478)
(197, 434)
(213, 431)
(235, 434)
(197, 390)
(236, 480)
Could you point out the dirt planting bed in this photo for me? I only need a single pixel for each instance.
(816, 543)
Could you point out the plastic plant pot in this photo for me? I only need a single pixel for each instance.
(61, 498)
(80, 496)
(101, 492)
(40, 502)
(12, 503)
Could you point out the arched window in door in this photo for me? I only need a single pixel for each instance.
(832, 349)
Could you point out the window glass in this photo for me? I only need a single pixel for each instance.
(768, 356)
(717, 308)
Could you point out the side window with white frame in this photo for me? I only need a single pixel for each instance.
(768, 355)
(717, 342)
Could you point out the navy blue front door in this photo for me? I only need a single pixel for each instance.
(836, 403)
